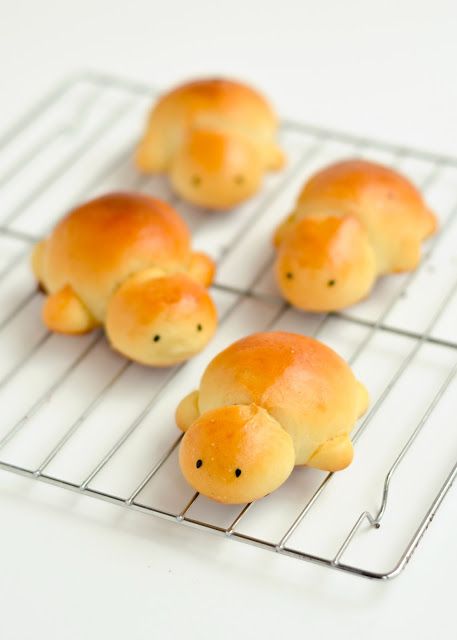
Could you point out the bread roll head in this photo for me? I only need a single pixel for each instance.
(326, 263)
(160, 321)
(215, 169)
(123, 249)
(236, 454)
(215, 137)
(383, 220)
(306, 390)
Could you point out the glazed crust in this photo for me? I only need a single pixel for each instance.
(393, 221)
(215, 137)
(302, 385)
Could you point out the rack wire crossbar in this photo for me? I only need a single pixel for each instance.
(128, 94)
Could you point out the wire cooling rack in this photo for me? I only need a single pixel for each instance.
(78, 416)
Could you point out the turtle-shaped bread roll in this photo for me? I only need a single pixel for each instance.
(265, 404)
(354, 221)
(124, 261)
(215, 138)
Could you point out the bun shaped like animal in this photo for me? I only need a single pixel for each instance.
(354, 221)
(215, 138)
(268, 402)
(124, 261)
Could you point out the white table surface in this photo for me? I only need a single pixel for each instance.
(72, 568)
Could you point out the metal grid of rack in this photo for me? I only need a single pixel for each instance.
(78, 416)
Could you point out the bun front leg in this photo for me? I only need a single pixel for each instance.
(64, 312)
(151, 154)
(276, 159)
(187, 411)
(284, 228)
(201, 268)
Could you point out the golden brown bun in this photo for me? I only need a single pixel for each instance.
(216, 138)
(393, 220)
(303, 387)
(96, 258)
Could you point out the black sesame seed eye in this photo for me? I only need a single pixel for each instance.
(199, 463)
(331, 283)
(239, 179)
(237, 472)
(196, 181)
(289, 275)
(156, 338)
(199, 327)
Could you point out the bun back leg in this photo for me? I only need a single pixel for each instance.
(37, 257)
(334, 455)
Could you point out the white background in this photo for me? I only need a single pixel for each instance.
(70, 568)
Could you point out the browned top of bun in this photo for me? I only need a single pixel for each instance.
(103, 231)
(239, 103)
(361, 183)
(97, 245)
(294, 377)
